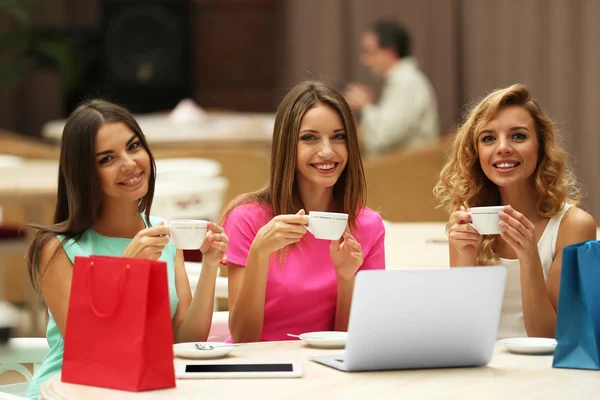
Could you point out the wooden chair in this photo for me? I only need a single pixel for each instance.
(400, 184)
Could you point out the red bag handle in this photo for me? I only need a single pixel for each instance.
(88, 277)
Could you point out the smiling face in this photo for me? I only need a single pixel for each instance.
(508, 147)
(123, 163)
(322, 151)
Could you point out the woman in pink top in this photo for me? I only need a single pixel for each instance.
(281, 278)
(507, 153)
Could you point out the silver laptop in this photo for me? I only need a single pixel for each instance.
(422, 318)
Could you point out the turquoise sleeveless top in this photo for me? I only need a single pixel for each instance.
(92, 243)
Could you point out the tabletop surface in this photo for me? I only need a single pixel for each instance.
(507, 376)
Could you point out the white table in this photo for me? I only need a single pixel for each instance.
(412, 245)
(508, 376)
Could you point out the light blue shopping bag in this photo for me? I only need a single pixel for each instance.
(578, 316)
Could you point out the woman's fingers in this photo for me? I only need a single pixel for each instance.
(293, 219)
(519, 217)
(155, 241)
(462, 217)
(158, 230)
(215, 228)
(219, 237)
(220, 246)
(512, 236)
(465, 237)
(352, 244)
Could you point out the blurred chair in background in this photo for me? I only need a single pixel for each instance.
(191, 188)
(400, 184)
(188, 188)
(201, 198)
(13, 242)
(245, 167)
(18, 151)
(14, 356)
(11, 238)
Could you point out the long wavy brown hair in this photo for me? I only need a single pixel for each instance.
(462, 183)
(281, 192)
(79, 196)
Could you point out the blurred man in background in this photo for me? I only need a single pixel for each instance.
(406, 115)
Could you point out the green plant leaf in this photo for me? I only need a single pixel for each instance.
(27, 48)
(13, 73)
(62, 54)
(17, 41)
(19, 10)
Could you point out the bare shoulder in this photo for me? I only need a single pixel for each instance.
(577, 218)
(52, 252)
(577, 226)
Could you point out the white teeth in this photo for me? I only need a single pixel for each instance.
(132, 180)
(506, 165)
(325, 166)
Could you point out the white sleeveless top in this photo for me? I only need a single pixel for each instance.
(511, 318)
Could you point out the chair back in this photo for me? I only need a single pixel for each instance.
(400, 184)
(200, 198)
(13, 356)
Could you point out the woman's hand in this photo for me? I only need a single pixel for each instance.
(149, 243)
(518, 232)
(347, 256)
(281, 231)
(214, 247)
(463, 237)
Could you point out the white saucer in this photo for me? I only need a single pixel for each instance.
(325, 340)
(530, 345)
(189, 350)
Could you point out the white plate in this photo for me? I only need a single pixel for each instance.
(530, 345)
(189, 350)
(325, 340)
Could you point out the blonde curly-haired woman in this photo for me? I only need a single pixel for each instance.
(507, 153)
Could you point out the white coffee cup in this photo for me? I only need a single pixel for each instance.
(486, 220)
(327, 225)
(188, 234)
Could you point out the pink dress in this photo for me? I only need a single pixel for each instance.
(301, 293)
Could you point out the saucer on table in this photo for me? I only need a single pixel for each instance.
(530, 345)
(189, 350)
(325, 339)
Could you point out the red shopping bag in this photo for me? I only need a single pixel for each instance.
(119, 333)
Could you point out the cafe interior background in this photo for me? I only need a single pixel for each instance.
(235, 59)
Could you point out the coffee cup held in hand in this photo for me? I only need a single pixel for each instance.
(188, 234)
(327, 225)
(486, 220)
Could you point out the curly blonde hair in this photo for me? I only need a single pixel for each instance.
(463, 184)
